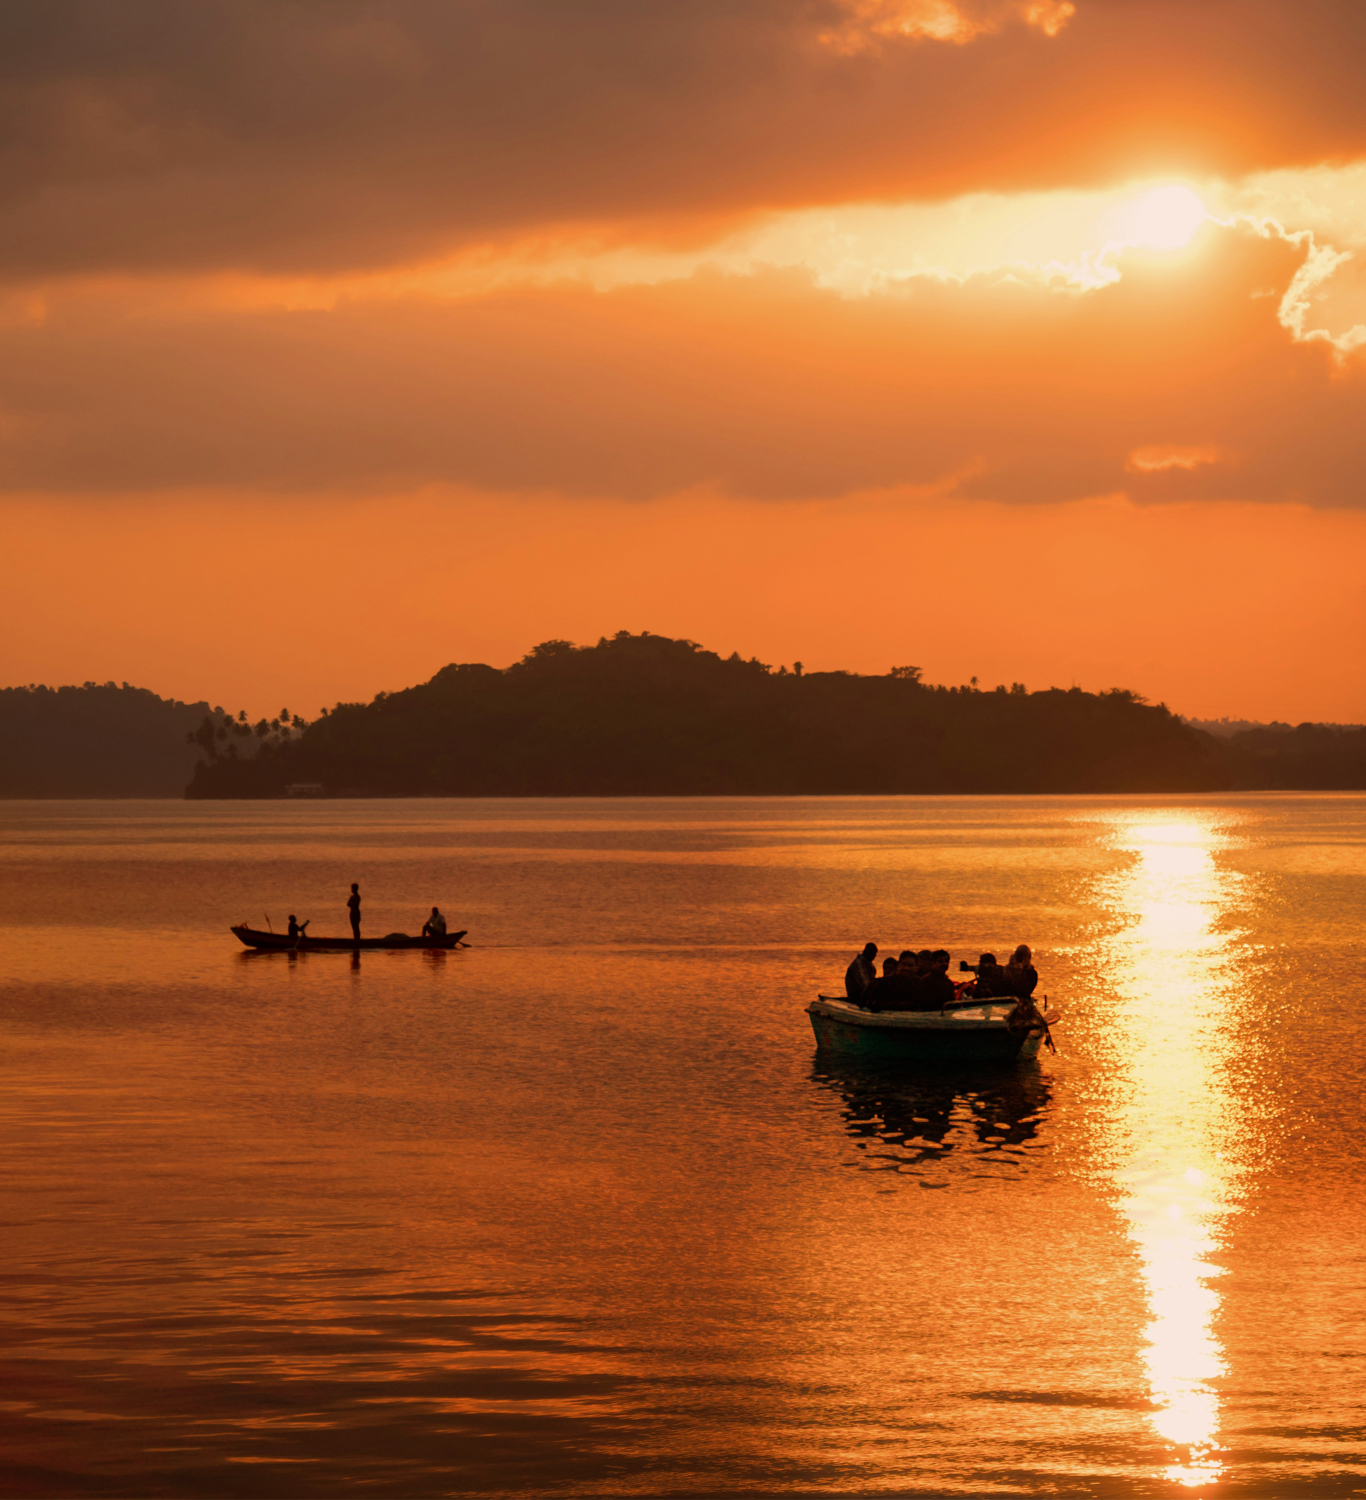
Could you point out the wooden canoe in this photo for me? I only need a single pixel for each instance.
(280, 942)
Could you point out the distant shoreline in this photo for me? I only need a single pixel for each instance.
(647, 716)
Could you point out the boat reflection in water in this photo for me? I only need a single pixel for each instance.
(1170, 969)
(905, 1119)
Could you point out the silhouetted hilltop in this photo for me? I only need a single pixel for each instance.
(644, 714)
(98, 740)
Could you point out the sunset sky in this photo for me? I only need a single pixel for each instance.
(1021, 339)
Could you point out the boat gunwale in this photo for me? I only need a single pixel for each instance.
(960, 1020)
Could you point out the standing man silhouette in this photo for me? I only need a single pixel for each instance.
(353, 902)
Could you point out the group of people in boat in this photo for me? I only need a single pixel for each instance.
(920, 981)
(433, 927)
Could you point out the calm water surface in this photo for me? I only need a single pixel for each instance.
(580, 1209)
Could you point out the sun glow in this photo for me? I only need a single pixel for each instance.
(1163, 218)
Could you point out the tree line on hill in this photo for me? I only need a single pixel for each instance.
(648, 715)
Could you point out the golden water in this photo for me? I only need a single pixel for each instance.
(580, 1209)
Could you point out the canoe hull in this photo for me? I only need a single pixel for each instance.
(279, 942)
(957, 1039)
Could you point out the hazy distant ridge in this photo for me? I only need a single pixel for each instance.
(107, 739)
(1227, 728)
(96, 740)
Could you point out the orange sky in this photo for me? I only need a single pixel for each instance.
(1013, 339)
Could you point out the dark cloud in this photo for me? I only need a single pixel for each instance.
(759, 386)
(336, 133)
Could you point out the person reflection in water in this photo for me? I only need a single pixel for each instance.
(861, 973)
(920, 1117)
(296, 927)
(435, 925)
(353, 905)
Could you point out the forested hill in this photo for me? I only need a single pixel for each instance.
(644, 714)
(98, 740)
(648, 715)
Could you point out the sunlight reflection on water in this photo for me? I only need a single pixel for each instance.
(581, 1209)
(1174, 966)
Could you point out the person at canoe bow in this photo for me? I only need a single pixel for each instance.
(435, 925)
(861, 973)
(353, 906)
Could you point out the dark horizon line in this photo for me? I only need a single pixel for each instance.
(1198, 721)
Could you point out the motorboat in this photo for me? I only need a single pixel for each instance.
(964, 1032)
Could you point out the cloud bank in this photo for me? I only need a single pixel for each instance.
(325, 134)
(1174, 382)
